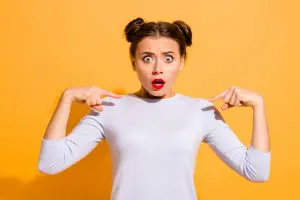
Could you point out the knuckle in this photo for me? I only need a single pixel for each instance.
(92, 88)
(88, 101)
(92, 102)
(99, 101)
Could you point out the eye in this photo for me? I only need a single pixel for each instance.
(169, 58)
(146, 59)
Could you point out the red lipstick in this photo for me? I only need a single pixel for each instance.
(158, 83)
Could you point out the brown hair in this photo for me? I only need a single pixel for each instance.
(138, 29)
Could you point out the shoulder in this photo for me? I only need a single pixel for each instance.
(106, 101)
(201, 103)
(191, 99)
(208, 109)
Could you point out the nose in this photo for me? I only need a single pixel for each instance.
(157, 68)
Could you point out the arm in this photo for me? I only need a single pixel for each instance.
(57, 126)
(58, 151)
(251, 162)
(260, 136)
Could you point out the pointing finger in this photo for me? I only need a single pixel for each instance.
(111, 94)
(221, 95)
(229, 94)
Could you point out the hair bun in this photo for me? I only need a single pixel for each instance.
(185, 31)
(132, 27)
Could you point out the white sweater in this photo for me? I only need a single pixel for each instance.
(154, 144)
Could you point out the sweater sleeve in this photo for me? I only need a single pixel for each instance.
(57, 155)
(249, 162)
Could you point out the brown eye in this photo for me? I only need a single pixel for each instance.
(146, 59)
(169, 58)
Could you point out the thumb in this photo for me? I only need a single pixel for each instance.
(98, 107)
(226, 106)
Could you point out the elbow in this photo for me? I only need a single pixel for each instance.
(257, 166)
(258, 176)
(48, 169)
(259, 179)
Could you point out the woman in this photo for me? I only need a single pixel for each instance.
(155, 133)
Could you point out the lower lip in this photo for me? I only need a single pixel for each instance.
(158, 86)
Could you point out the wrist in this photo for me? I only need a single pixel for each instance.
(259, 103)
(67, 96)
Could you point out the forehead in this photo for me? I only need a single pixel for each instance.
(157, 44)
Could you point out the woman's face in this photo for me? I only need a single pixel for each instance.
(157, 57)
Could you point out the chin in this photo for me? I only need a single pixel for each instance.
(156, 92)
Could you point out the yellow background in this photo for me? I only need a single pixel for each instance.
(46, 46)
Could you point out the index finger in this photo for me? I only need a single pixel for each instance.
(111, 94)
(219, 96)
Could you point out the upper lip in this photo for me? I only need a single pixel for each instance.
(158, 79)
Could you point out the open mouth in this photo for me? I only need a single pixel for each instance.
(158, 83)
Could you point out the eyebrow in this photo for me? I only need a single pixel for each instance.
(166, 52)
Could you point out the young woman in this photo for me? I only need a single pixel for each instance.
(155, 133)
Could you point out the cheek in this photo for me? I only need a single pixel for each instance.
(172, 68)
(143, 71)
(142, 74)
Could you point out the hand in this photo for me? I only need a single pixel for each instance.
(235, 96)
(90, 95)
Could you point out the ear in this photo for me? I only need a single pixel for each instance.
(181, 64)
(133, 64)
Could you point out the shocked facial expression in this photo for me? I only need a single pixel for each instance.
(157, 58)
